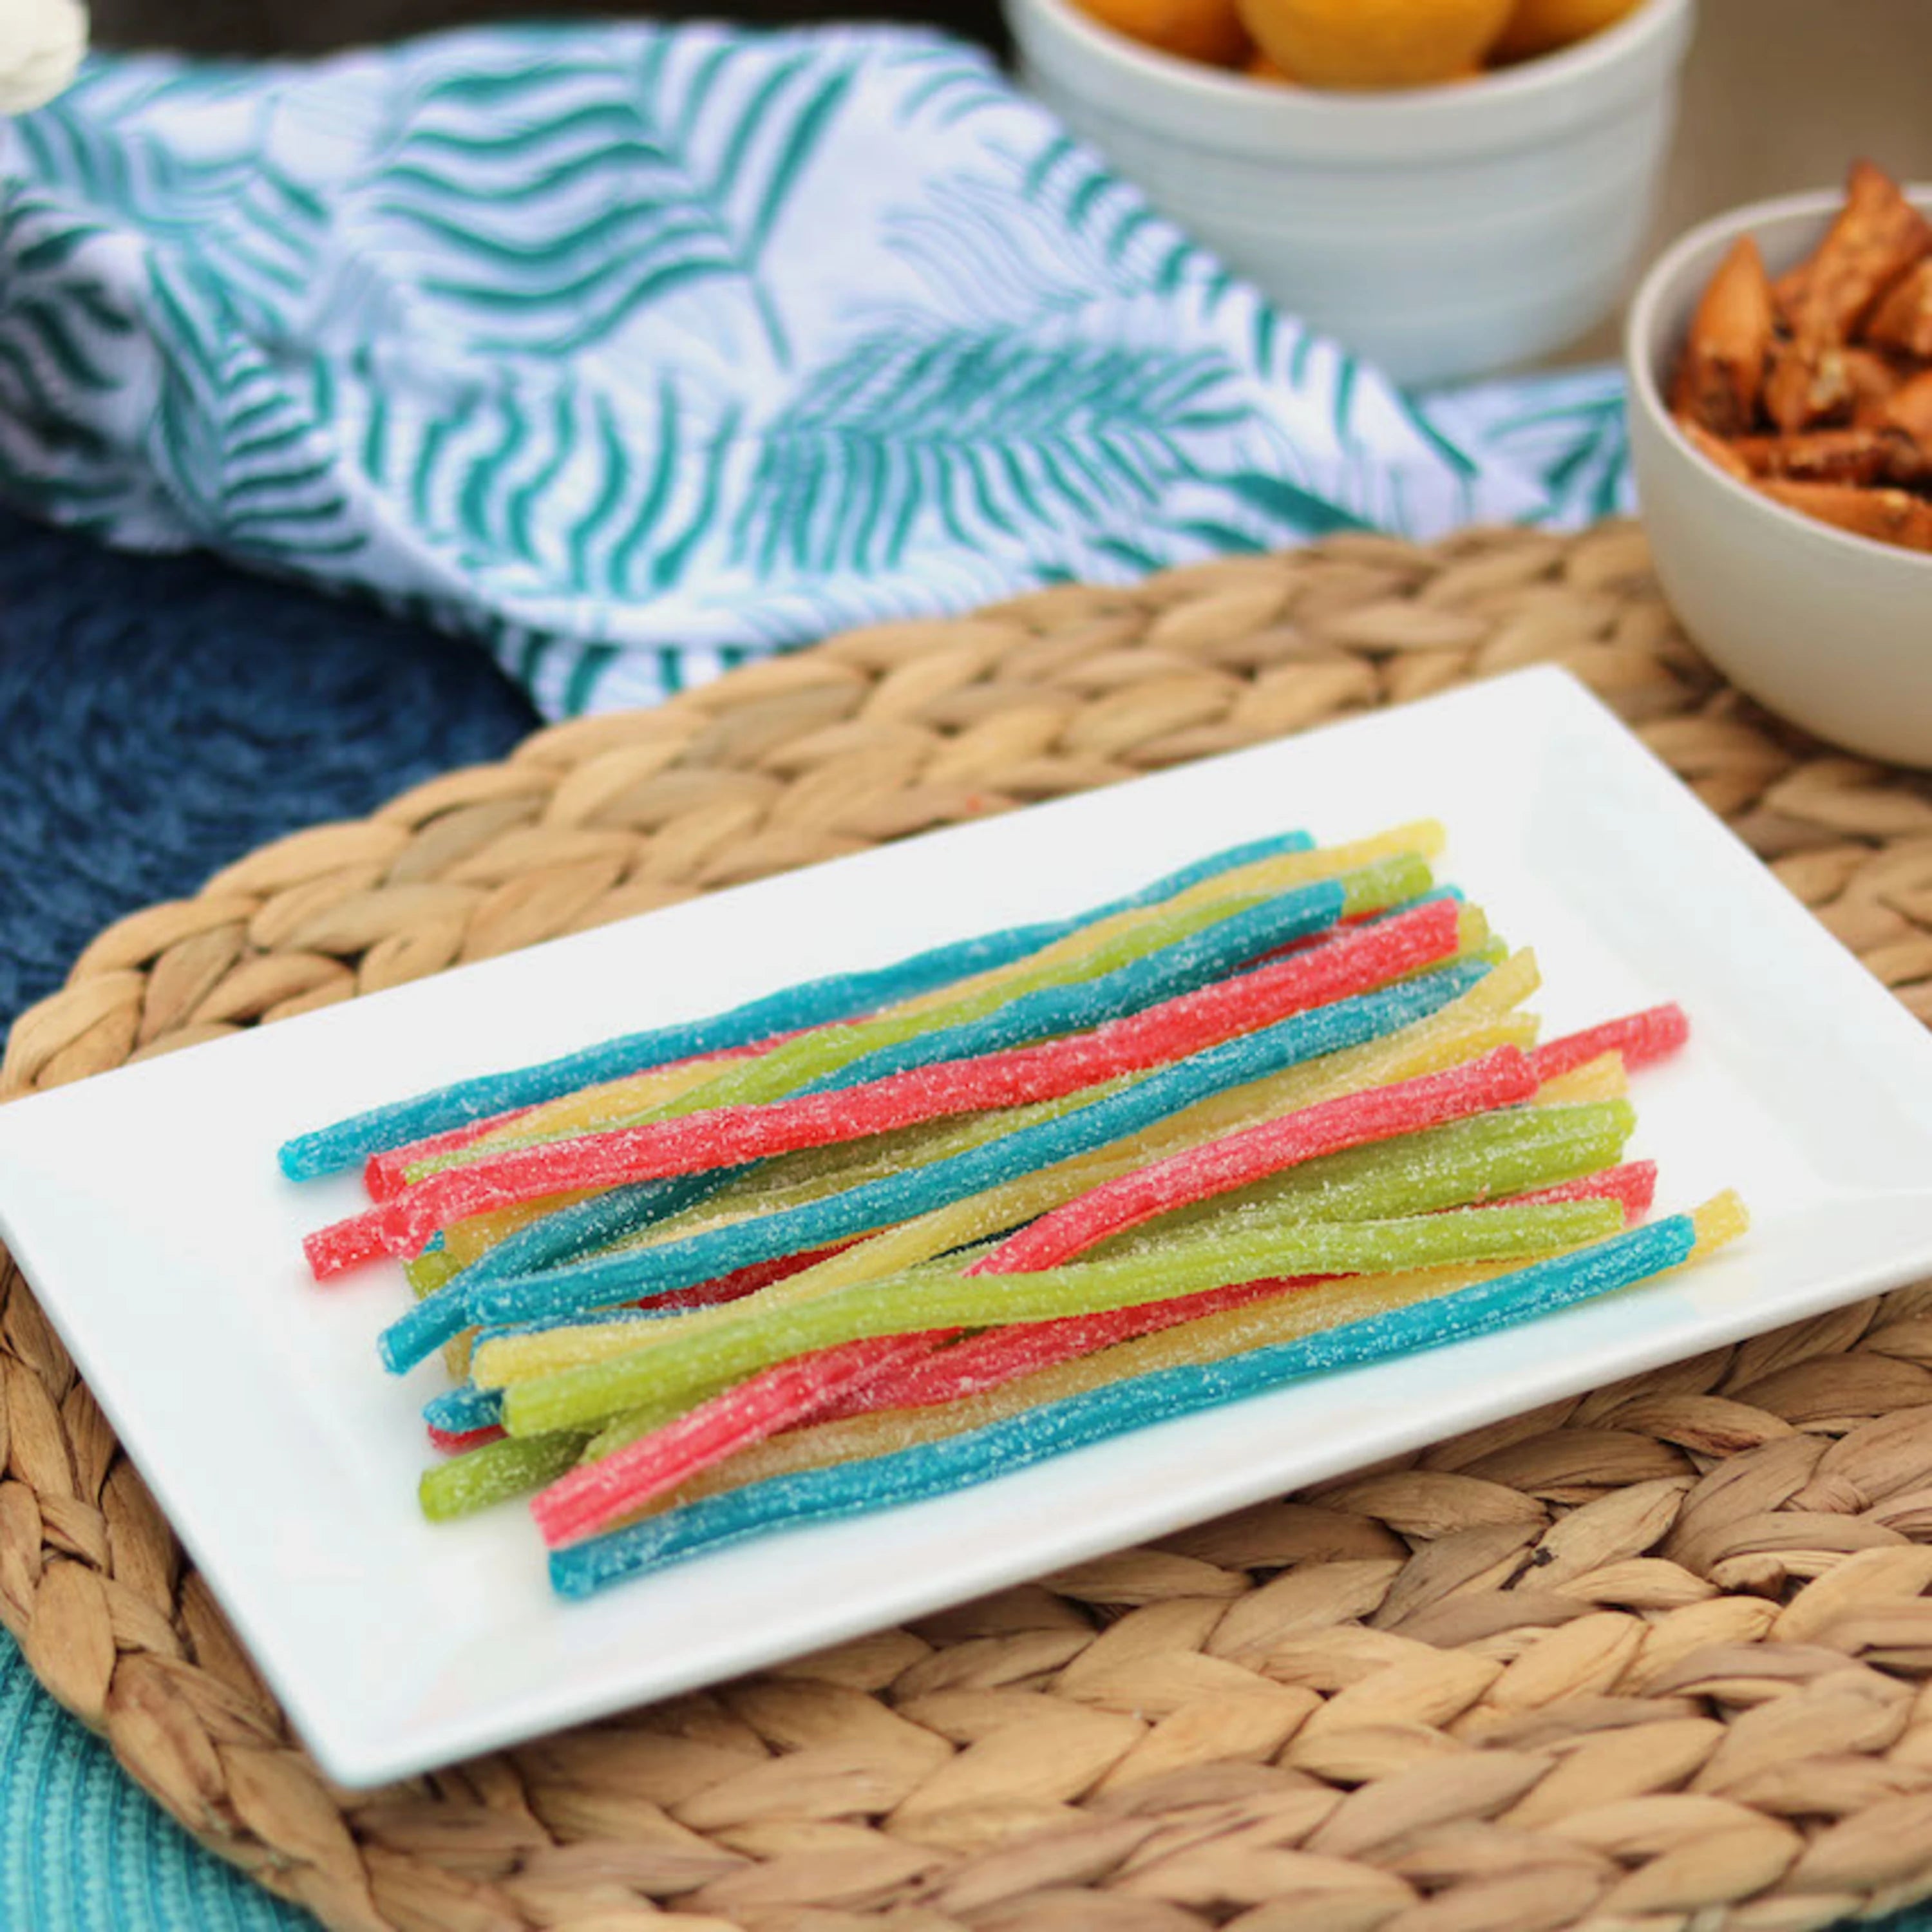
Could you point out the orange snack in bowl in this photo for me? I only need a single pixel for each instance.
(1816, 389)
(1903, 319)
(1887, 516)
(1909, 409)
(1877, 236)
(1198, 30)
(1721, 376)
(1376, 43)
(1260, 68)
(1542, 26)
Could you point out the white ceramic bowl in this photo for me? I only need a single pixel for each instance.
(1443, 232)
(1834, 631)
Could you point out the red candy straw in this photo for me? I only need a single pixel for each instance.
(731, 1136)
(1499, 1079)
(453, 1442)
(1640, 1037)
(385, 1175)
(597, 1493)
(1634, 1185)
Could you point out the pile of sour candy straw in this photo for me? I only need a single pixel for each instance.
(883, 1236)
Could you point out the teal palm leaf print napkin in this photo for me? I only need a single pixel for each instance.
(636, 351)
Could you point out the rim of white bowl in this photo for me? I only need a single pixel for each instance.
(1662, 282)
(1493, 109)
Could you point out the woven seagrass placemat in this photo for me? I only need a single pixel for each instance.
(1650, 1660)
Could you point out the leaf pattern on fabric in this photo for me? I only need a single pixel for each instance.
(634, 352)
(976, 435)
(548, 201)
(1568, 430)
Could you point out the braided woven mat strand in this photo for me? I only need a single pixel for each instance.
(1656, 1660)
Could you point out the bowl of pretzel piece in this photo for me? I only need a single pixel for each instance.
(1779, 362)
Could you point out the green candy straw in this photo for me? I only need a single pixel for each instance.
(938, 1296)
(494, 1473)
(1489, 1156)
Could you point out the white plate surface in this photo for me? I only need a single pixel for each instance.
(146, 1209)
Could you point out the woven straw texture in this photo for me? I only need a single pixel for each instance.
(1651, 1660)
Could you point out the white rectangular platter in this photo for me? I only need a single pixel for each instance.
(147, 1210)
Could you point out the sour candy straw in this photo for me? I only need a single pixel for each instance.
(347, 1143)
(1459, 1030)
(939, 1468)
(1294, 1310)
(937, 1296)
(1220, 1166)
(1477, 1021)
(1637, 1039)
(596, 1494)
(1468, 1163)
(599, 1283)
(494, 1473)
(1019, 1076)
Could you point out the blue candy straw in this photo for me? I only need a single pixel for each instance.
(629, 1275)
(938, 1468)
(458, 1411)
(1199, 960)
(347, 1143)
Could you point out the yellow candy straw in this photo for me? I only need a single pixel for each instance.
(594, 1107)
(1606, 1078)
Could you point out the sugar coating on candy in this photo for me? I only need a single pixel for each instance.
(598, 1283)
(937, 1297)
(1500, 1079)
(596, 1494)
(940, 1468)
(1457, 1166)
(1637, 1039)
(1277, 1113)
(494, 1473)
(735, 1136)
(347, 1143)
